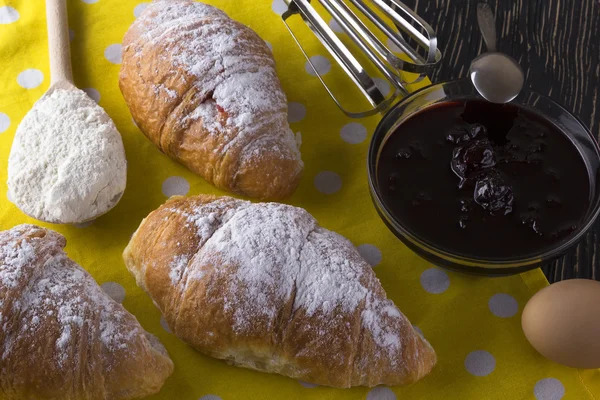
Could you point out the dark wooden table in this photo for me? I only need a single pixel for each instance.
(558, 45)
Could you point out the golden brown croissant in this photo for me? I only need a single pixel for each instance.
(61, 336)
(203, 88)
(263, 286)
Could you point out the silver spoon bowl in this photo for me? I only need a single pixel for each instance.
(496, 76)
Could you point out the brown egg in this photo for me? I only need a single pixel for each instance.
(562, 322)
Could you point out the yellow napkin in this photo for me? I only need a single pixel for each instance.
(473, 323)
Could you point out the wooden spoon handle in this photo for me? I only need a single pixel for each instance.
(58, 41)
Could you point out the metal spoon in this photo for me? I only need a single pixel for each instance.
(497, 77)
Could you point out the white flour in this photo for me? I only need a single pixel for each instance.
(67, 163)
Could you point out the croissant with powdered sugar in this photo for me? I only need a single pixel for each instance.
(203, 88)
(61, 336)
(263, 286)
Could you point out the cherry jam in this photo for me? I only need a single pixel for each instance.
(484, 180)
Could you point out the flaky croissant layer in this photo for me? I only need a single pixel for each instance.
(61, 336)
(203, 88)
(263, 286)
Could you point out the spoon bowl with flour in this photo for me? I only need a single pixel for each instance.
(67, 162)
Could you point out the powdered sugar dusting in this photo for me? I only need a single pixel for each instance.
(50, 289)
(204, 220)
(158, 89)
(177, 267)
(14, 259)
(372, 319)
(208, 113)
(271, 252)
(263, 242)
(325, 254)
(233, 71)
(207, 218)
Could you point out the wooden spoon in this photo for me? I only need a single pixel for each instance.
(67, 162)
(61, 74)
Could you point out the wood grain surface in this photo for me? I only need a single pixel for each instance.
(558, 45)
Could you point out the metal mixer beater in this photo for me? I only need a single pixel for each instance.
(410, 33)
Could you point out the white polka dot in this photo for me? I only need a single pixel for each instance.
(435, 281)
(353, 133)
(114, 290)
(370, 253)
(4, 122)
(165, 326)
(30, 78)
(84, 224)
(416, 328)
(381, 393)
(139, 9)
(93, 93)
(308, 384)
(503, 305)
(269, 45)
(321, 64)
(480, 363)
(71, 34)
(383, 85)
(175, 185)
(90, 1)
(328, 182)
(549, 389)
(333, 24)
(392, 46)
(279, 7)
(296, 112)
(113, 53)
(8, 15)
(210, 397)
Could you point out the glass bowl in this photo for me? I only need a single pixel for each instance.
(462, 90)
